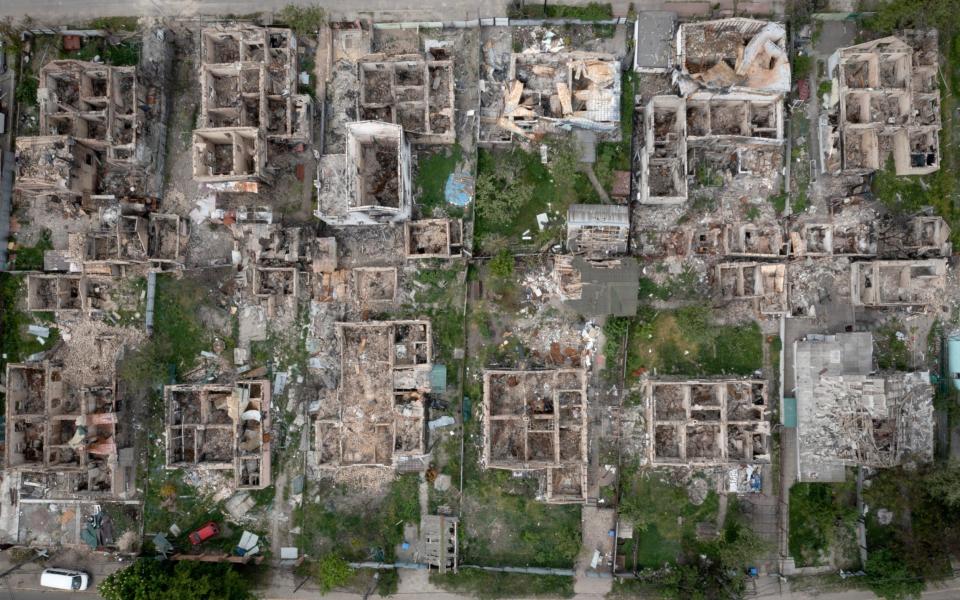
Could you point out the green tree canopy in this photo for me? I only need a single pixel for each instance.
(148, 579)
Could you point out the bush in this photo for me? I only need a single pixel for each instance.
(303, 20)
(27, 90)
(331, 572)
(802, 64)
(501, 265)
(148, 579)
(498, 200)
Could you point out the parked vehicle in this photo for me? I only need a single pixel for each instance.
(64, 579)
(204, 533)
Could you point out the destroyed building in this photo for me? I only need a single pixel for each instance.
(888, 100)
(55, 165)
(818, 239)
(884, 283)
(70, 432)
(94, 103)
(433, 238)
(371, 183)
(925, 236)
(438, 542)
(410, 90)
(728, 117)
(217, 427)
(733, 53)
(537, 421)
(849, 416)
(376, 418)
(598, 287)
(546, 91)
(707, 422)
(248, 80)
(598, 230)
(764, 284)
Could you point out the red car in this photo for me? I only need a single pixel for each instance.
(204, 533)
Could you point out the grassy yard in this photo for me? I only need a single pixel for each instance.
(530, 188)
(822, 516)
(685, 341)
(357, 526)
(432, 174)
(663, 517)
(493, 585)
(890, 345)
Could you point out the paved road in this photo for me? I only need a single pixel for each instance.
(385, 10)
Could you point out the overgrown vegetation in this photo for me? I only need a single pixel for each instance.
(662, 516)
(15, 344)
(822, 515)
(432, 174)
(594, 11)
(939, 189)
(686, 341)
(892, 351)
(615, 156)
(30, 258)
(303, 20)
(331, 572)
(148, 579)
(357, 527)
(665, 534)
(492, 585)
(178, 337)
(513, 187)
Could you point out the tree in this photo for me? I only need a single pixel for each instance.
(943, 485)
(889, 578)
(331, 572)
(139, 581)
(303, 20)
(148, 579)
(497, 200)
(501, 265)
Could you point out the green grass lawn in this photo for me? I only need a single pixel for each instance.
(432, 174)
(492, 585)
(662, 515)
(686, 342)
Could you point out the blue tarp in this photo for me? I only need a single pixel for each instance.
(457, 189)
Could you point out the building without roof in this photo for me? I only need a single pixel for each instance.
(217, 427)
(707, 422)
(55, 165)
(732, 74)
(849, 416)
(410, 90)
(372, 182)
(248, 79)
(70, 432)
(95, 103)
(545, 90)
(888, 99)
(377, 419)
(537, 421)
(885, 283)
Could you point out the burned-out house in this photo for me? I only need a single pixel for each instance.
(216, 427)
(887, 283)
(847, 415)
(537, 421)
(410, 90)
(57, 165)
(376, 418)
(371, 183)
(707, 422)
(248, 79)
(732, 75)
(94, 103)
(887, 99)
(69, 432)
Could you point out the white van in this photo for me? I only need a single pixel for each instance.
(64, 579)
